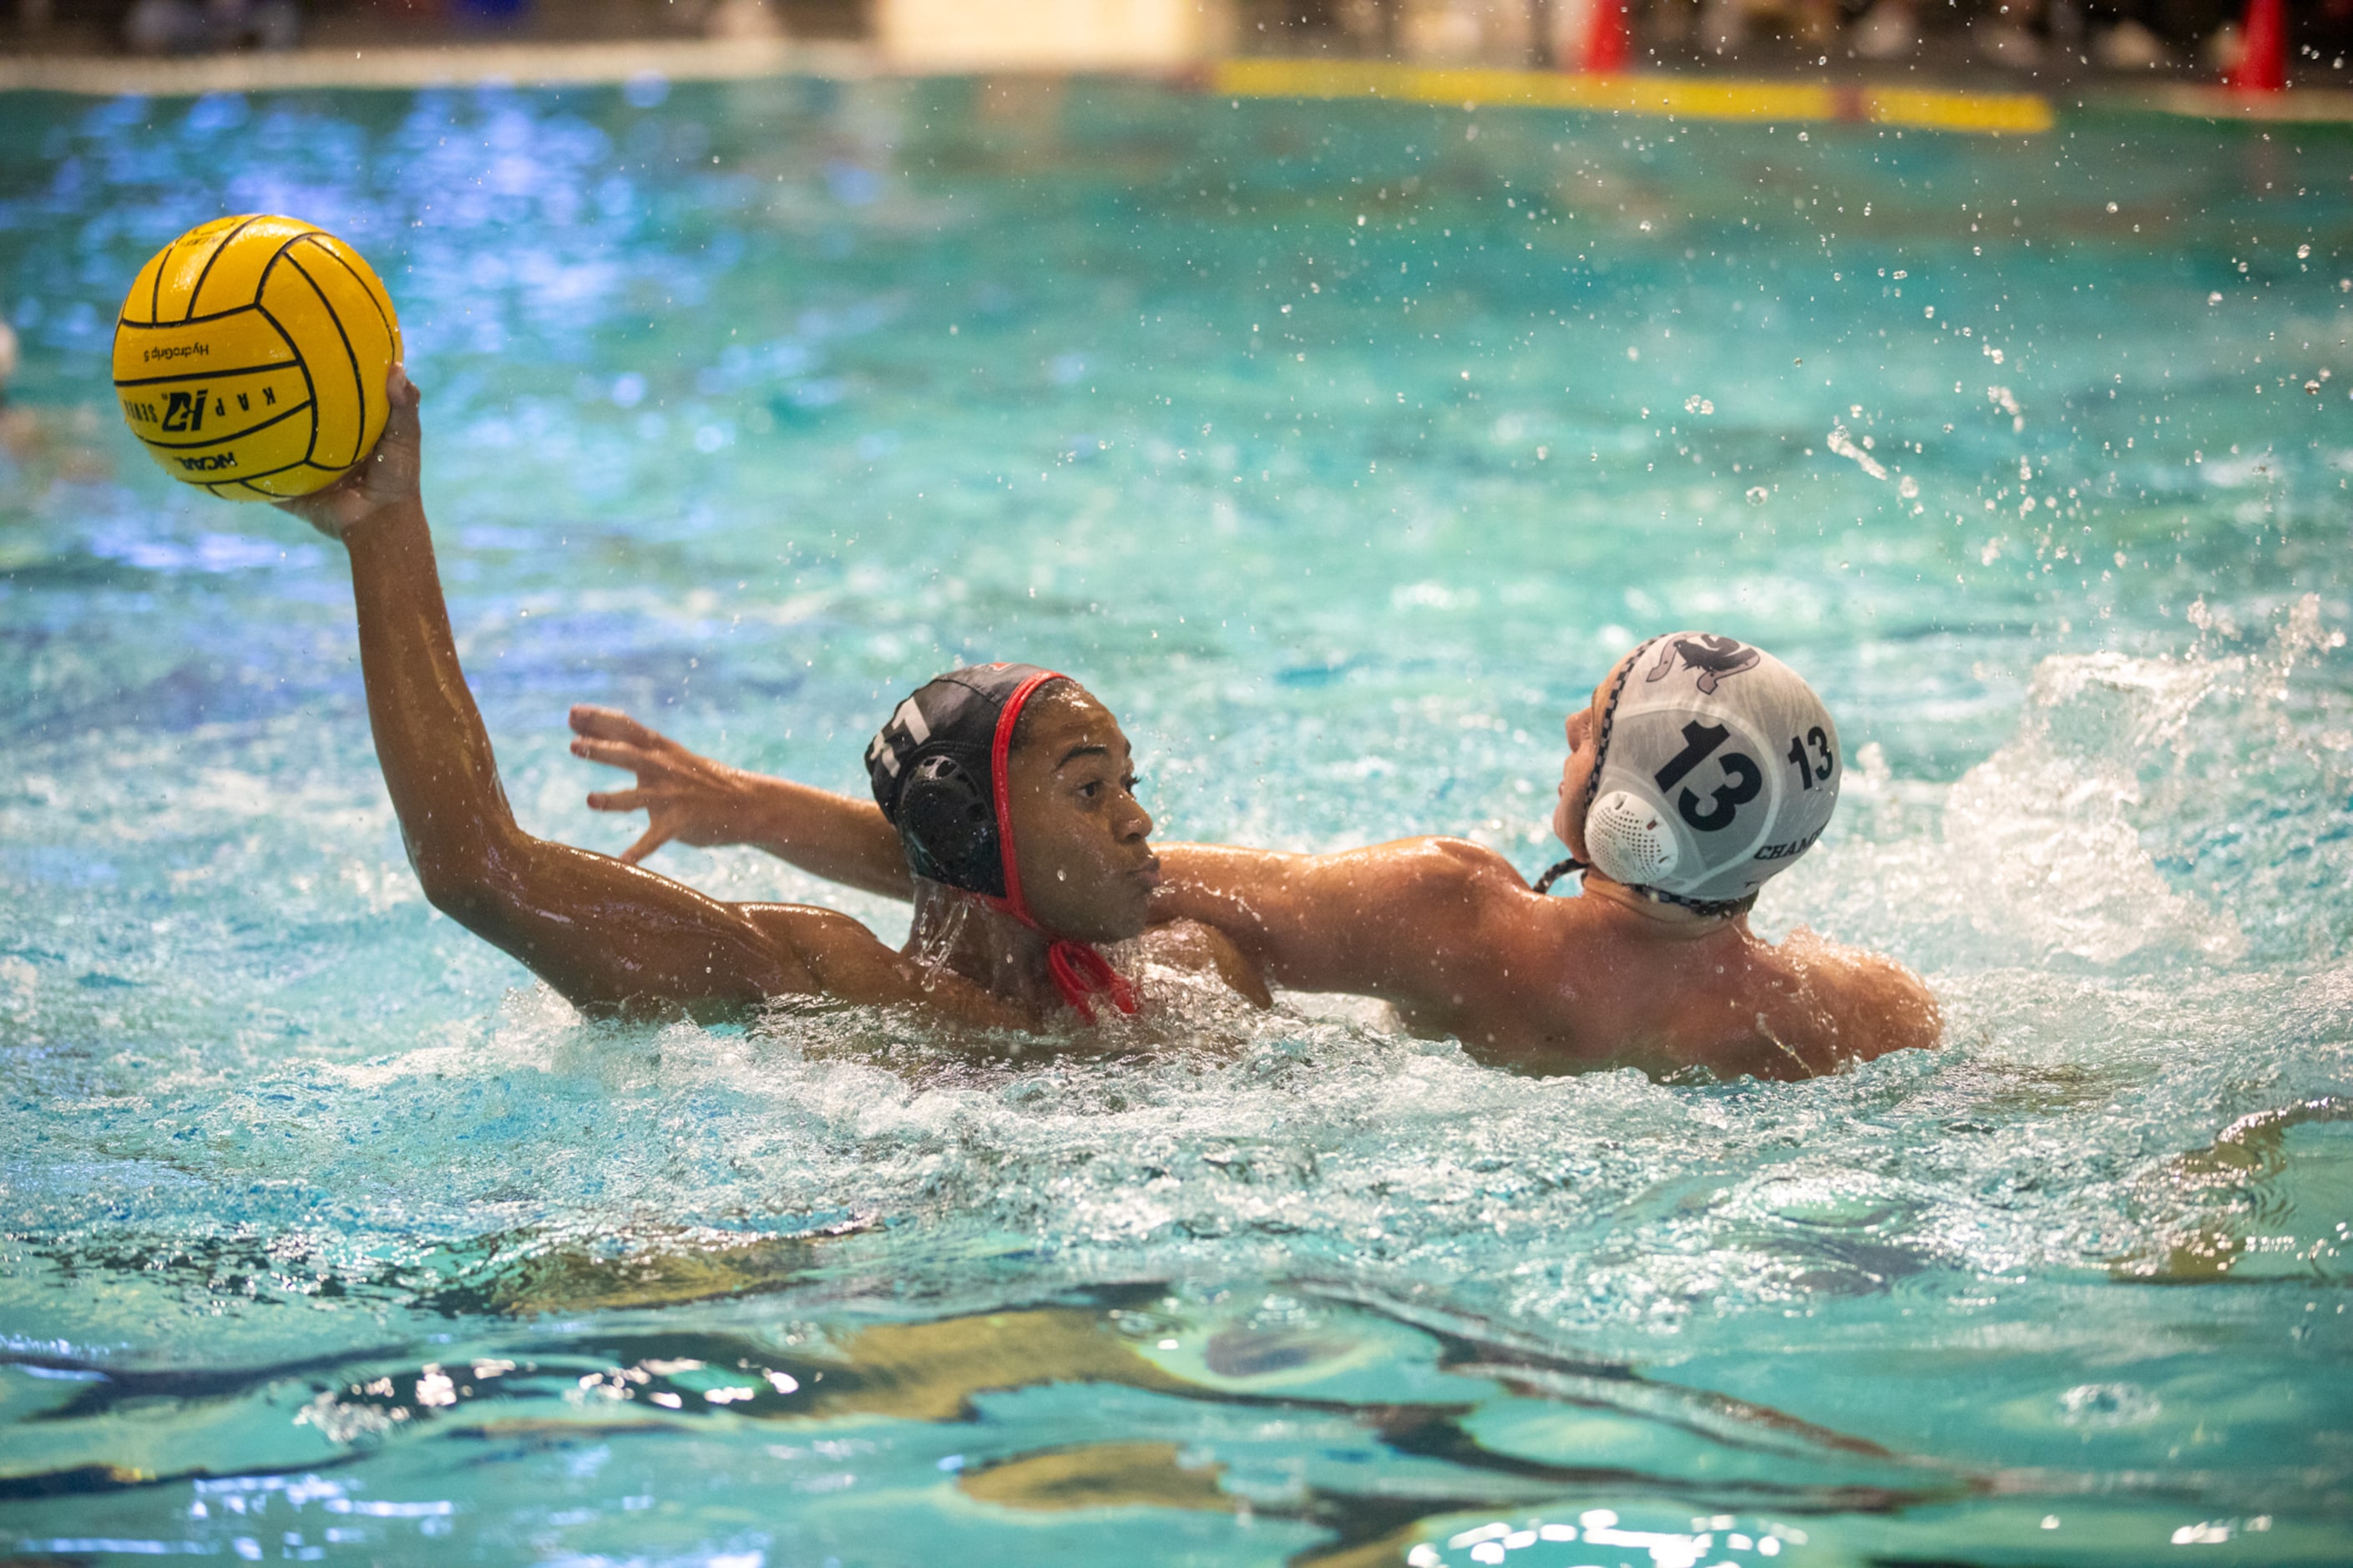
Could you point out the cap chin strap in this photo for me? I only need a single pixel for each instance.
(1714, 907)
(1079, 971)
(1544, 883)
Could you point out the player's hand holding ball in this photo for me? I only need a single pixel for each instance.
(385, 479)
(251, 358)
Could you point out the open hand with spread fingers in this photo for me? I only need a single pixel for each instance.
(686, 797)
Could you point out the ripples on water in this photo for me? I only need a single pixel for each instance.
(748, 407)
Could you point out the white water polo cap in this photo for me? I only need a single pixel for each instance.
(1716, 767)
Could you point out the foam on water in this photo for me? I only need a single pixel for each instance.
(326, 1231)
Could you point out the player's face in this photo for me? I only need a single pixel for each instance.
(1085, 864)
(1576, 773)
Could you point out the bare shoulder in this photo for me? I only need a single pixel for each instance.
(1439, 868)
(797, 923)
(840, 953)
(1886, 1006)
(1190, 944)
(847, 961)
(1436, 905)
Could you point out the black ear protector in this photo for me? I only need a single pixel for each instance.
(935, 770)
(949, 825)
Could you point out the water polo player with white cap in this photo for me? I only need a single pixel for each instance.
(1702, 767)
(1708, 766)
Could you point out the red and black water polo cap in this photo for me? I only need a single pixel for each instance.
(938, 769)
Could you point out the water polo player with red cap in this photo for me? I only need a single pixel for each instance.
(618, 940)
(1011, 790)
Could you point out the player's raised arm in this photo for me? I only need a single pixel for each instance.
(610, 937)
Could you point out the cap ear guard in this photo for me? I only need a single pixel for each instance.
(930, 769)
(1627, 840)
(949, 824)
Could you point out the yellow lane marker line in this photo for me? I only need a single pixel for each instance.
(1680, 98)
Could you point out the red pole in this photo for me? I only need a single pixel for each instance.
(2263, 58)
(1606, 44)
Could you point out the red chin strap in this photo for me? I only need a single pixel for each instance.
(1079, 971)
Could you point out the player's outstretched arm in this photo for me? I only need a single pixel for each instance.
(1378, 921)
(610, 937)
(1391, 921)
(694, 800)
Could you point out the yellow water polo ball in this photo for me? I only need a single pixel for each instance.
(250, 357)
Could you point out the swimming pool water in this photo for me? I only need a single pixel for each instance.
(1340, 447)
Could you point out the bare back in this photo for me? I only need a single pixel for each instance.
(1571, 986)
(1450, 935)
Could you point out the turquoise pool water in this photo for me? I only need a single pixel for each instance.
(1340, 447)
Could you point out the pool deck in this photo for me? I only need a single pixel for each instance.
(1670, 96)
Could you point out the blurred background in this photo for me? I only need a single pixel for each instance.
(2057, 39)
